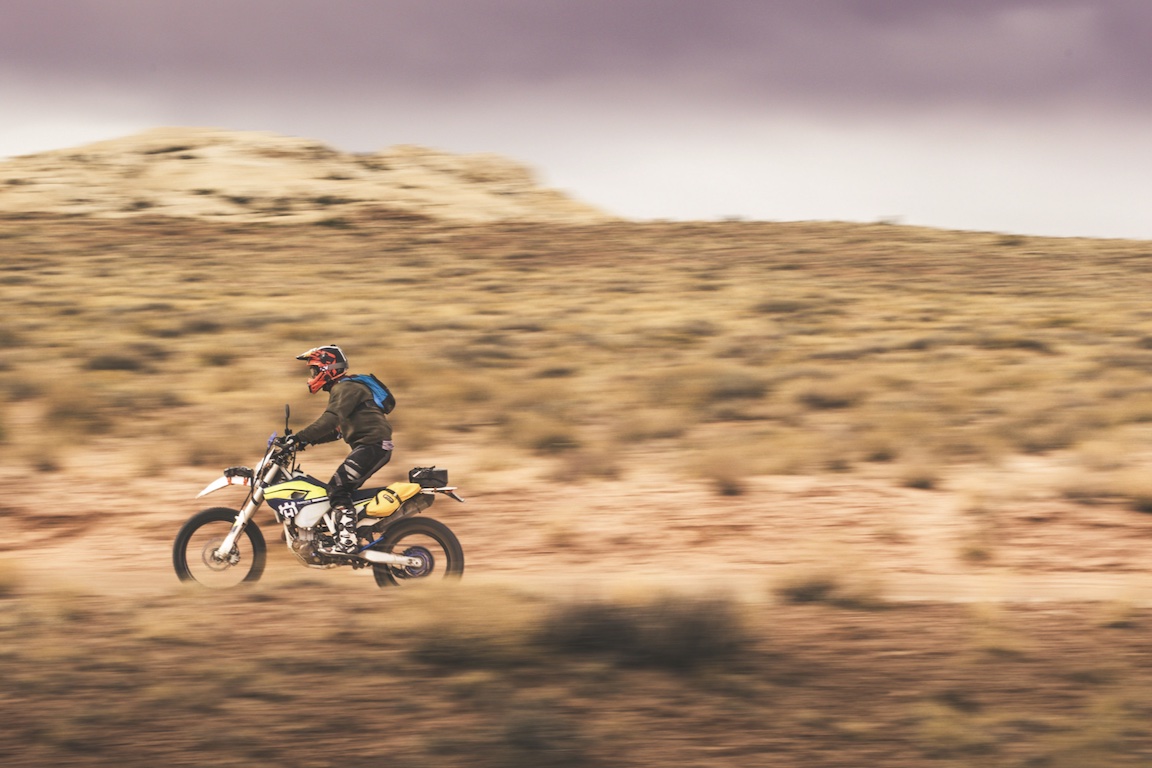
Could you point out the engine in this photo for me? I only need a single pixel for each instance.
(303, 543)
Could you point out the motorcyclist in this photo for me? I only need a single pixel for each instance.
(352, 414)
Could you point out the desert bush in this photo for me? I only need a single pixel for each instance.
(10, 337)
(189, 326)
(1130, 487)
(542, 434)
(478, 627)
(119, 360)
(212, 451)
(831, 587)
(638, 425)
(726, 467)
(830, 395)
(1041, 431)
(1004, 341)
(598, 461)
(791, 452)
(75, 408)
(727, 385)
(780, 306)
(949, 732)
(44, 456)
(666, 631)
(920, 473)
(703, 386)
(543, 735)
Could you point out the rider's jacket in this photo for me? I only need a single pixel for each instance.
(352, 414)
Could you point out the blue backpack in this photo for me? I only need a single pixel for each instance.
(384, 398)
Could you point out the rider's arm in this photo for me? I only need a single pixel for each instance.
(323, 430)
(343, 398)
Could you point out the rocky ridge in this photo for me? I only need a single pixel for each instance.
(260, 176)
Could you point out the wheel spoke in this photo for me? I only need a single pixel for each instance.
(197, 556)
(426, 540)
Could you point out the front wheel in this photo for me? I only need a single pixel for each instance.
(196, 554)
(432, 542)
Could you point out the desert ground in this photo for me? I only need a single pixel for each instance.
(738, 493)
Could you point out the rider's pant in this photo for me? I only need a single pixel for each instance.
(362, 463)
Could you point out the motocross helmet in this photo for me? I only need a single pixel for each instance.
(326, 364)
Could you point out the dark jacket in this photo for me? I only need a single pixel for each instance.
(351, 414)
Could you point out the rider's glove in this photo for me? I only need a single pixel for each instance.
(294, 443)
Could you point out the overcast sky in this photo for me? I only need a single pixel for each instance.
(1029, 116)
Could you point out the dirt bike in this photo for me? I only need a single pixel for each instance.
(221, 547)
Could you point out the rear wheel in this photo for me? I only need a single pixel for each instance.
(428, 540)
(196, 554)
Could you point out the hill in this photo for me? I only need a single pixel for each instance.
(738, 493)
(256, 176)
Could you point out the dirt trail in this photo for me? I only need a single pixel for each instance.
(651, 530)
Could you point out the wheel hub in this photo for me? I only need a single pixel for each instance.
(427, 563)
(216, 560)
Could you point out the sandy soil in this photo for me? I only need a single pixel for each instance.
(649, 527)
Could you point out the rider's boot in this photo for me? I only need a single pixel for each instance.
(346, 540)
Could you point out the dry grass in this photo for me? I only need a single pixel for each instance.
(512, 679)
(723, 353)
(849, 345)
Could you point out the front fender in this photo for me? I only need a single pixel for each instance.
(223, 481)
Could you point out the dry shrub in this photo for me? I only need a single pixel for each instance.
(219, 450)
(1132, 487)
(1119, 614)
(725, 466)
(700, 386)
(787, 453)
(830, 395)
(459, 393)
(541, 735)
(542, 434)
(639, 425)
(921, 473)
(733, 384)
(598, 461)
(831, 586)
(878, 447)
(667, 631)
(475, 626)
(1032, 435)
(781, 306)
(489, 628)
(992, 635)
(945, 731)
(73, 408)
(1011, 342)
(1105, 455)
(1132, 409)
(1038, 424)
(679, 333)
(192, 325)
(45, 454)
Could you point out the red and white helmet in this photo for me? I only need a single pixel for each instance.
(326, 364)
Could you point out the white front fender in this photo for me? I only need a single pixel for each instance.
(222, 481)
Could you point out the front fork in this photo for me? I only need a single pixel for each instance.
(224, 552)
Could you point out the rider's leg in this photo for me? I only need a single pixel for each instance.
(362, 463)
